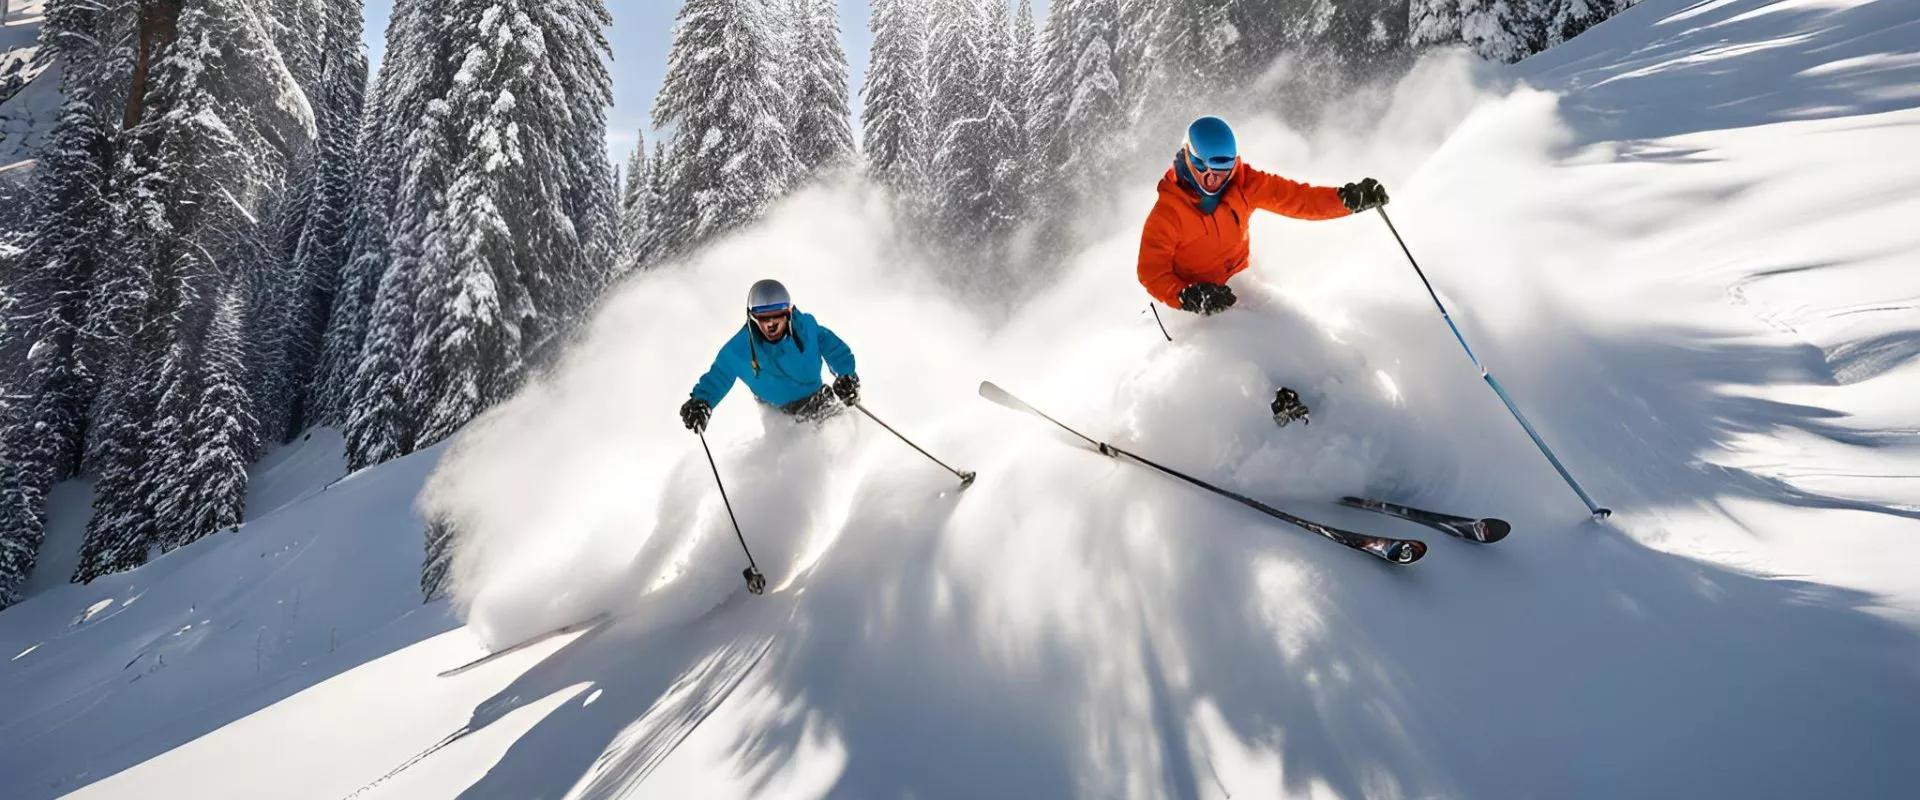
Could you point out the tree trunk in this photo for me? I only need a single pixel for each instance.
(159, 22)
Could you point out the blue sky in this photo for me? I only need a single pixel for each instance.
(642, 30)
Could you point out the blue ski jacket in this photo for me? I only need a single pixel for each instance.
(781, 372)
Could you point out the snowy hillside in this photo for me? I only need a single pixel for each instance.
(29, 92)
(1683, 241)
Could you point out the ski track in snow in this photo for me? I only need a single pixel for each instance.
(1681, 243)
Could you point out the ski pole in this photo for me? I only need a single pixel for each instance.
(1155, 308)
(1595, 509)
(756, 582)
(966, 478)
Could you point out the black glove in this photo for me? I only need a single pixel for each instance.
(1206, 298)
(1358, 197)
(695, 413)
(847, 388)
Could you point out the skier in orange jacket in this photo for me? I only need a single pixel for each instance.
(1196, 238)
(1197, 235)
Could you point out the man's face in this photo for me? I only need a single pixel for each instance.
(773, 324)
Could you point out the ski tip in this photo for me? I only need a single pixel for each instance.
(1407, 552)
(1491, 530)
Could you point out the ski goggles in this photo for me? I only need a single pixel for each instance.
(1211, 173)
(771, 311)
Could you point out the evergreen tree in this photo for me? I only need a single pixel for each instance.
(1433, 22)
(382, 418)
(529, 216)
(159, 493)
(220, 437)
(319, 257)
(571, 34)
(1006, 135)
(206, 161)
(1501, 30)
(400, 241)
(382, 128)
(48, 283)
(66, 261)
(1023, 52)
(21, 503)
(436, 569)
(121, 529)
(957, 114)
(722, 98)
(893, 132)
(659, 239)
(636, 208)
(822, 129)
(385, 413)
(1565, 19)
(1081, 109)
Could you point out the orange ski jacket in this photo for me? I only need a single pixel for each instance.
(1181, 246)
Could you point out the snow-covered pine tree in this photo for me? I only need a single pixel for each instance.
(1023, 53)
(519, 271)
(382, 414)
(1081, 109)
(576, 50)
(1005, 85)
(400, 245)
(659, 238)
(216, 117)
(319, 257)
(386, 408)
(383, 127)
(22, 505)
(893, 132)
(636, 207)
(1502, 30)
(722, 98)
(436, 570)
(957, 110)
(473, 299)
(160, 492)
(51, 281)
(822, 127)
(1431, 22)
(1565, 19)
(120, 531)
(219, 437)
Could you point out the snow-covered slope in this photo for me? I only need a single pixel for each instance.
(29, 91)
(1679, 244)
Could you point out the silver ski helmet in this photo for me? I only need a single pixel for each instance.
(768, 296)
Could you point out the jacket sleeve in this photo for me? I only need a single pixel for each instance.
(1156, 258)
(1291, 198)
(838, 355)
(713, 386)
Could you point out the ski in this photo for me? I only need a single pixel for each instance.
(1484, 531)
(1396, 551)
(528, 642)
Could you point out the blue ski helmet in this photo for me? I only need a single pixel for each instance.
(1211, 153)
(768, 296)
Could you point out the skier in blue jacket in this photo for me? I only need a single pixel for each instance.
(777, 354)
